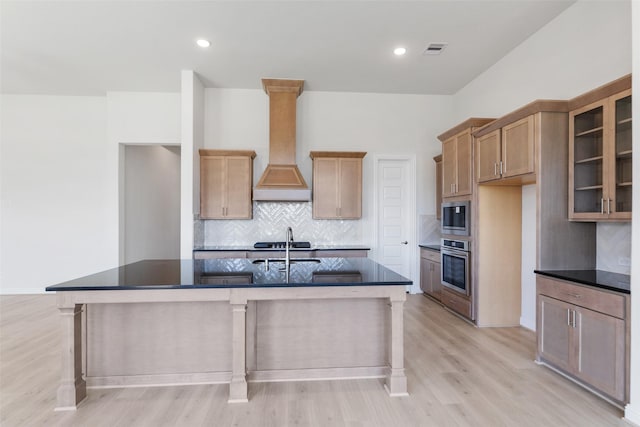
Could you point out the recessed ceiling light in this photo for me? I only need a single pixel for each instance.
(400, 51)
(203, 43)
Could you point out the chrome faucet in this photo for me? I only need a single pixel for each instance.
(288, 240)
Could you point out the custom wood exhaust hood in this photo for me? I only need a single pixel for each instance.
(282, 180)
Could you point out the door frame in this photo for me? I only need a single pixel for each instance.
(412, 238)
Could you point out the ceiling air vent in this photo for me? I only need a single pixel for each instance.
(434, 48)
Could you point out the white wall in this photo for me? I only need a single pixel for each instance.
(60, 181)
(192, 135)
(586, 46)
(136, 118)
(57, 218)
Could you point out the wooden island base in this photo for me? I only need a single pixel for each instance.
(146, 337)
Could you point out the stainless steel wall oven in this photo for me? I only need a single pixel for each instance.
(455, 258)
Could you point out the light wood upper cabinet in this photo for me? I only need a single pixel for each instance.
(456, 161)
(457, 158)
(518, 148)
(506, 152)
(600, 153)
(337, 184)
(226, 178)
(488, 156)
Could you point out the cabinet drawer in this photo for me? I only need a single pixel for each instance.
(430, 255)
(598, 300)
(456, 303)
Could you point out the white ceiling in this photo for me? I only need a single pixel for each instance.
(91, 47)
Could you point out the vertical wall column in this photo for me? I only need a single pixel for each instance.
(396, 381)
(72, 387)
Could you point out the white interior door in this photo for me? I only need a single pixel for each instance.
(394, 219)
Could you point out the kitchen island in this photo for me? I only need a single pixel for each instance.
(167, 322)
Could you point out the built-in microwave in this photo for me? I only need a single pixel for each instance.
(456, 218)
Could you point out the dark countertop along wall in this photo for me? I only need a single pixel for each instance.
(596, 278)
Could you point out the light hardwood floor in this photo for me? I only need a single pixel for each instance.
(458, 375)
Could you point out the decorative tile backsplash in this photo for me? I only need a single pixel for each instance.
(614, 247)
(270, 221)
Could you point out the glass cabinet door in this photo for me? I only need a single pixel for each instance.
(621, 196)
(600, 150)
(588, 161)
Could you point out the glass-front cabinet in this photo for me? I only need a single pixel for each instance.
(600, 160)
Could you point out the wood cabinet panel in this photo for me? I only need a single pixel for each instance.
(518, 148)
(464, 164)
(555, 341)
(600, 351)
(350, 188)
(459, 304)
(212, 187)
(449, 168)
(325, 188)
(488, 156)
(226, 178)
(430, 273)
(337, 185)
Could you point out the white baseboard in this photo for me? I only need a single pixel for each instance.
(22, 291)
(632, 415)
(528, 323)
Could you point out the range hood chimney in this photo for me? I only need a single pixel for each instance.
(282, 180)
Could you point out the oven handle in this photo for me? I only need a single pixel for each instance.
(445, 250)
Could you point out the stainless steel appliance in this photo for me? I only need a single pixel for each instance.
(455, 259)
(456, 218)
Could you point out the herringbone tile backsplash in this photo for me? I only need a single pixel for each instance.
(270, 221)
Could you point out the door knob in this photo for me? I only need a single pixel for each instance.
(405, 242)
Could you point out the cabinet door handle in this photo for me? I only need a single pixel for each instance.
(568, 317)
(495, 169)
(602, 206)
(573, 295)
(608, 206)
(573, 321)
(500, 167)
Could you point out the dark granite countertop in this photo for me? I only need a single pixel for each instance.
(596, 278)
(235, 273)
(246, 248)
(432, 246)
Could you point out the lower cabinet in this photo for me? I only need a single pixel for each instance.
(582, 331)
(430, 273)
(456, 302)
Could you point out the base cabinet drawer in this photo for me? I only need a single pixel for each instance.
(457, 303)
